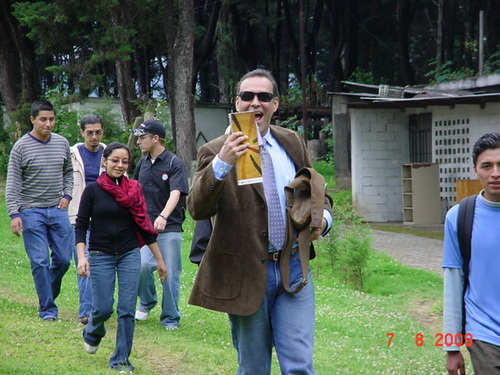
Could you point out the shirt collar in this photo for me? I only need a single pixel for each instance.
(161, 156)
(271, 141)
(486, 201)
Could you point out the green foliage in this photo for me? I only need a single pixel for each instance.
(383, 271)
(293, 123)
(329, 155)
(37, 17)
(5, 147)
(343, 210)
(68, 119)
(346, 250)
(326, 170)
(11, 133)
(448, 72)
(161, 112)
(67, 124)
(492, 65)
(363, 76)
(293, 95)
(314, 91)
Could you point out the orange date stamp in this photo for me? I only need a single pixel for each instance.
(441, 339)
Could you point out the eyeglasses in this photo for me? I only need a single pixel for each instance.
(248, 96)
(97, 133)
(117, 161)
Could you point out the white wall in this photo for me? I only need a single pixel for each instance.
(379, 147)
(211, 121)
(380, 144)
(454, 132)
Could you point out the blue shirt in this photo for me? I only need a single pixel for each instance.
(91, 163)
(482, 298)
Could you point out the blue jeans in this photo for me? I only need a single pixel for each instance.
(84, 285)
(170, 247)
(45, 228)
(104, 268)
(284, 320)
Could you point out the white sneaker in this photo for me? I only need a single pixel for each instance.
(141, 315)
(171, 327)
(90, 348)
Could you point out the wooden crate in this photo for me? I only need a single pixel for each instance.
(466, 188)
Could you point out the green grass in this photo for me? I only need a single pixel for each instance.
(406, 230)
(351, 326)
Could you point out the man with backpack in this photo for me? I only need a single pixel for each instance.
(471, 263)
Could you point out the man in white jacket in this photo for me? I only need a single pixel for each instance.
(86, 158)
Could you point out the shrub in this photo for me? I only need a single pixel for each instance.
(346, 250)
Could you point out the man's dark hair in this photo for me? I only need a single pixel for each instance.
(259, 73)
(115, 146)
(91, 118)
(486, 142)
(41, 105)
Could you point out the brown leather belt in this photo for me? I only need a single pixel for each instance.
(274, 256)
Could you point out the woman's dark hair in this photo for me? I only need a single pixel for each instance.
(90, 119)
(486, 142)
(115, 146)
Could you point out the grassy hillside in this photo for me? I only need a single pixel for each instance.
(352, 326)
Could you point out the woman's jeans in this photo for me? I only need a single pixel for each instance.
(284, 320)
(104, 268)
(45, 228)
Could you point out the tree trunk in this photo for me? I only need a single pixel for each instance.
(126, 91)
(294, 42)
(352, 37)
(179, 30)
(336, 25)
(10, 74)
(125, 83)
(18, 78)
(206, 45)
(404, 19)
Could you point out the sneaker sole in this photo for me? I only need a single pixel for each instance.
(141, 318)
(90, 349)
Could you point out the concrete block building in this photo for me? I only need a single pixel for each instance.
(383, 142)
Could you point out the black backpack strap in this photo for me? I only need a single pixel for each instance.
(465, 221)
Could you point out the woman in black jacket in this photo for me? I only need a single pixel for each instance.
(115, 209)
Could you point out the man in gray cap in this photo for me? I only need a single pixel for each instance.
(164, 182)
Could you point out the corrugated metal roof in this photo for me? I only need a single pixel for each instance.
(424, 101)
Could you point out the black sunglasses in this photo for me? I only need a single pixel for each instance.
(247, 96)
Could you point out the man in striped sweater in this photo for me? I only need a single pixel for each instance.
(37, 194)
